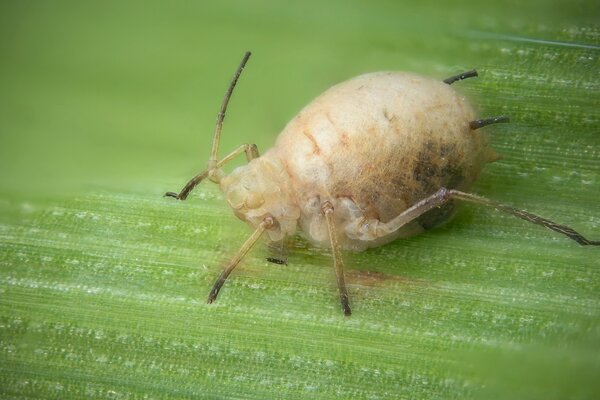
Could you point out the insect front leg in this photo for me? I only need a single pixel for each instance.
(336, 250)
(372, 229)
(214, 172)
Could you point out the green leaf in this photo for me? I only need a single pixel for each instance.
(105, 106)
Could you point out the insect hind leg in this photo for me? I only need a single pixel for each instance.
(372, 229)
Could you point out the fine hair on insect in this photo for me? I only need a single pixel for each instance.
(381, 156)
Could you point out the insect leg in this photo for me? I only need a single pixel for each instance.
(213, 171)
(248, 244)
(527, 216)
(373, 228)
(338, 264)
(480, 123)
(460, 77)
(251, 153)
(279, 252)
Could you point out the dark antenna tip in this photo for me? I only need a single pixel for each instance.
(171, 194)
(480, 123)
(469, 74)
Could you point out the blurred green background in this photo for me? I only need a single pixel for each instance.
(106, 105)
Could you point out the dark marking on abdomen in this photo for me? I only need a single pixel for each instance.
(437, 216)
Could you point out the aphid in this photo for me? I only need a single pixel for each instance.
(378, 157)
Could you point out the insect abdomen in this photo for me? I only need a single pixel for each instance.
(386, 140)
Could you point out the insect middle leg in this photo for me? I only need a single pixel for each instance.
(372, 229)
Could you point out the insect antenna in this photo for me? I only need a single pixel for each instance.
(213, 164)
(221, 115)
(469, 74)
(480, 123)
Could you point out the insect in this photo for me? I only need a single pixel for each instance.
(381, 156)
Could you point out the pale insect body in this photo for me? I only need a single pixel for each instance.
(373, 146)
(372, 159)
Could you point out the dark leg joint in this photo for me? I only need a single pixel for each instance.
(460, 77)
(480, 123)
